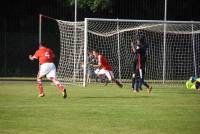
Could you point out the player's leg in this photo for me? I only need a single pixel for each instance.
(40, 87)
(197, 84)
(111, 77)
(133, 81)
(59, 86)
(135, 61)
(149, 88)
(143, 82)
(100, 73)
(88, 75)
(52, 76)
(41, 73)
(140, 85)
(137, 84)
(97, 75)
(142, 78)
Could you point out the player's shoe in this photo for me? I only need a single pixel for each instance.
(64, 94)
(135, 91)
(120, 85)
(41, 95)
(106, 82)
(149, 89)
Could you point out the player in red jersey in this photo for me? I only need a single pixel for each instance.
(47, 68)
(105, 68)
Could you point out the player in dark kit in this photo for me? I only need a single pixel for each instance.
(139, 62)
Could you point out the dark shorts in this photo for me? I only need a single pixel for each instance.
(197, 85)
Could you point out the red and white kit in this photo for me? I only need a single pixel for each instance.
(105, 67)
(46, 59)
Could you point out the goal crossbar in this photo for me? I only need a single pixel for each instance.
(172, 54)
(144, 21)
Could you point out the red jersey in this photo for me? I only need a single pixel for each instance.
(45, 55)
(104, 63)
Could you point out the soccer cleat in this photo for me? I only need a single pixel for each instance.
(149, 89)
(106, 82)
(64, 94)
(120, 85)
(41, 95)
(135, 91)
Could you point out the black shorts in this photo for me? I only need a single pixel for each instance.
(197, 85)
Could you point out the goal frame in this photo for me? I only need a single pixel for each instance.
(86, 21)
(165, 22)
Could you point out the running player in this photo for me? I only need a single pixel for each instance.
(47, 68)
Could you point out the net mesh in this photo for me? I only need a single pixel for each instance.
(171, 62)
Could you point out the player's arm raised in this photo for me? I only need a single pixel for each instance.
(32, 57)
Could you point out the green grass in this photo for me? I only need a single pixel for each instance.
(98, 110)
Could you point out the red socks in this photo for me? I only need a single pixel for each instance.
(57, 83)
(40, 87)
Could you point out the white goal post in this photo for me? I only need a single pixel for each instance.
(172, 54)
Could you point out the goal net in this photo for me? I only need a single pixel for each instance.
(172, 54)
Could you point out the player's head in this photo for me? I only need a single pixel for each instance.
(95, 52)
(193, 79)
(140, 40)
(42, 45)
(90, 52)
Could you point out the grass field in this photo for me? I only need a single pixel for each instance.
(98, 110)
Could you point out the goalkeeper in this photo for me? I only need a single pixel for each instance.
(89, 69)
(193, 83)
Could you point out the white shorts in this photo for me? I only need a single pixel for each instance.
(96, 71)
(109, 74)
(48, 70)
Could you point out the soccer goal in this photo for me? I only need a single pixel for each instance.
(172, 54)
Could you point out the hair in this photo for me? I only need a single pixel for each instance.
(43, 45)
(141, 39)
(96, 50)
(89, 51)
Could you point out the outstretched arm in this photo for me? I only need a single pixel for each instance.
(32, 57)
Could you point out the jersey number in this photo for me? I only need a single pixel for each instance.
(47, 55)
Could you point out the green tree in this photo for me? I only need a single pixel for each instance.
(93, 5)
